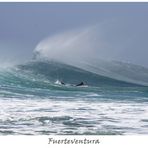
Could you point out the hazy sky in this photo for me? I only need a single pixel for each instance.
(123, 27)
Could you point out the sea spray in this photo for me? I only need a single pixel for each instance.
(83, 48)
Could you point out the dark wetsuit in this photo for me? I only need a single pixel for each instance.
(80, 84)
(62, 83)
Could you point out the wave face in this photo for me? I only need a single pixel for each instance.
(40, 77)
(32, 103)
(44, 74)
(52, 71)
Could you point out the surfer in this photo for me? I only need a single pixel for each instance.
(80, 84)
(62, 83)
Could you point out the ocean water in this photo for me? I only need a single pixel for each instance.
(32, 103)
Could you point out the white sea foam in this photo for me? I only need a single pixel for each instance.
(47, 116)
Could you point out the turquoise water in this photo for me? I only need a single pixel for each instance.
(31, 103)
